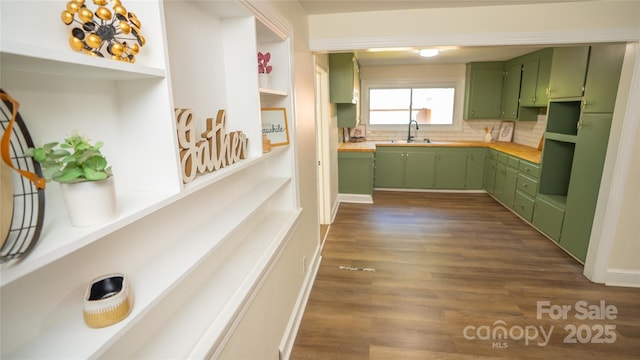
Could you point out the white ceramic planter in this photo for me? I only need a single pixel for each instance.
(264, 81)
(90, 203)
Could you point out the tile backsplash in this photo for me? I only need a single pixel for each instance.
(525, 132)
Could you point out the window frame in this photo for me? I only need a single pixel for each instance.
(455, 83)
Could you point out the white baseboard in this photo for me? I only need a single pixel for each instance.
(623, 277)
(355, 198)
(289, 337)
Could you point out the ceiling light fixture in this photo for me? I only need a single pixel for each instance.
(429, 52)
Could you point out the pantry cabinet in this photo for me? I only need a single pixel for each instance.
(195, 253)
(601, 88)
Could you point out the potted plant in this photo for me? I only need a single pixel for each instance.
(85, 178)
(264, 70)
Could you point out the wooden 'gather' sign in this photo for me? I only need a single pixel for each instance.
(212, 150)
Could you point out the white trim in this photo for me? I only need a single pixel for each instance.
(623, 277)
(355, 198)
(289, 337)
(611, 195)
(334, 208)
(474, 39)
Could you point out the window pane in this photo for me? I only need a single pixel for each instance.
(396, 106)
(433, 105)
(389, 106)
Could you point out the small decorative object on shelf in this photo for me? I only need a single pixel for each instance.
(85, 178)
(108, 300)
(274, 125)
(487, 136)
(21, 185)
(264, 70)
(115, 34)
(212, 151)
(266, 144)
(506, 131)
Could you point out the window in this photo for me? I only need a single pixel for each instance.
(397, 106)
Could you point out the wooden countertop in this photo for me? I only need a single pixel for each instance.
(522, 151)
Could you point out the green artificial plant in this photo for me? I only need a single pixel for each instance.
(75, 160)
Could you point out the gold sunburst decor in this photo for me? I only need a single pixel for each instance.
(113, 33)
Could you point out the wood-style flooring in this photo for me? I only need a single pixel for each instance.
(451, 272)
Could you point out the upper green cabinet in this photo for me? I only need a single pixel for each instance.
(344, 88)
(601, 88)
(483, 90)
(511, 91)
(536, 70)
(568, 71)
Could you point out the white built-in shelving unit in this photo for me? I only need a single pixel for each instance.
(194, 253)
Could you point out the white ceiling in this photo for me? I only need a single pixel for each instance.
(448, 55)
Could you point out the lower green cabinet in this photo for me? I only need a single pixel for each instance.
(474, 176)
(451, 168)
(490, 169)
(355, 172)
(523, 205)
(548, 216)
(404, 167)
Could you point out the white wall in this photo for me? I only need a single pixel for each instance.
(268, 319)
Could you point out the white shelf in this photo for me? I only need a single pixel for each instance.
(150, 283)
(60, 238)
(223, 293)
(272, 92)
(69, 63)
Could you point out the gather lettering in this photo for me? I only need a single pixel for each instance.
(212, 150)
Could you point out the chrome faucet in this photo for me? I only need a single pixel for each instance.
(409, 137)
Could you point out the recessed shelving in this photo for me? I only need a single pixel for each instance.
(563, 117)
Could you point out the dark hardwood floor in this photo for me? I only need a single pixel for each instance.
(439, 275)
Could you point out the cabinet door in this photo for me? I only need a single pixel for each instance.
(586, 173)
(451, 168)
(511, 91)
(475, 168)
(568, 71)
(483, 91)
(501, 176)
(601, 88)
(544, 74)
(508, 193)
(490, 169)
(529, 83)
(355, 173)
(419, 169)
(342, 77)
(389, 169)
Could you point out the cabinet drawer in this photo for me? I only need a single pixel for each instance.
(527, 185)
(513, 162)
(528, 168)
(502, 157)
(548, 218)
(523, 205)
(493, 155)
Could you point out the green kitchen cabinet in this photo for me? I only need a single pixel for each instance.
(344, 78)
(490, 170)
(500, 178)
(601, 88)
(355, 172)
(509, 187)
(404, 167)
(389, 168)
(344, 88)
(548, 216)
(483, 90)
(451, 168)
(536, 70)
(474, 176)
(506, 179)
(511, 91)
(568, 71)
(586, 174)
